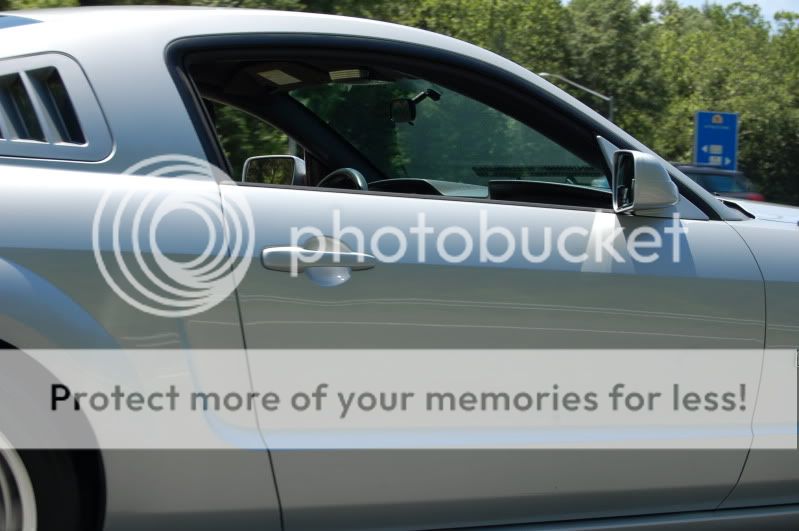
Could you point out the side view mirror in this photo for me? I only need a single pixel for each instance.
(641, 182)
(274, 169)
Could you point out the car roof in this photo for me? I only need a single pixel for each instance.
(706, 170)
(164, 24)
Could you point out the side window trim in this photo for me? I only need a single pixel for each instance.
(180, 53)
(459, 199)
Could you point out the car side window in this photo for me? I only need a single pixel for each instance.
(379, 129)
(242, 135)
(414, 129)
(49, 111)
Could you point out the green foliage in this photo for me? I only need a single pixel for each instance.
(660, 64)
(533, 33)
(612, 53)
(243, 135)
(36, 4)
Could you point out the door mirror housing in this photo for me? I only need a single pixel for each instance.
(641, 182)
(274, 169)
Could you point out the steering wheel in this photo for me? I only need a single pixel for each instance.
(346, 178)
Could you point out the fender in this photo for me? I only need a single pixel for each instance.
(36, 314)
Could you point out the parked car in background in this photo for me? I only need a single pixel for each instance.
(722, 182)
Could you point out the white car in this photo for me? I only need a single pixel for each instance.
(380, 123)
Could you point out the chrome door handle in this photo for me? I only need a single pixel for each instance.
(299, 259)
(325, 261)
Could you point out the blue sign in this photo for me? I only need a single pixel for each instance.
(716, 140)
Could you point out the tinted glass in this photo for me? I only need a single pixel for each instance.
(454, 138)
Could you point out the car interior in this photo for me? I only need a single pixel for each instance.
(363, 125)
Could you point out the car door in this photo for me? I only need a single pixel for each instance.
(771, 476)
(411, 305)
(711, 298)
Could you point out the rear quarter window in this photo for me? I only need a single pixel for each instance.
(48, 110)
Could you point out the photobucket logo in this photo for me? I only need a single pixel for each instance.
(596, 246)
(175, 250)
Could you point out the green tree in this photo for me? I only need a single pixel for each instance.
(612, 52)
(726, 59)
(532, 33)
(36, 4)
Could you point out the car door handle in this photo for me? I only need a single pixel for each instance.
(299, 259)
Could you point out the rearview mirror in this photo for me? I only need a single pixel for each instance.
(274, 169)
(403, 111)
(641, 182)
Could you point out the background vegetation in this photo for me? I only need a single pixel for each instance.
(661, 63)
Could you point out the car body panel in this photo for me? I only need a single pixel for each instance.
(769, 211)
(510, 305)
(773, 475)
(53, 297)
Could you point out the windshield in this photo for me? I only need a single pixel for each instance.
(450, 137)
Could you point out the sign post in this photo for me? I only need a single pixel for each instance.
(716, 139)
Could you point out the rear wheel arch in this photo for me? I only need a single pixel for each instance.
(69, 485)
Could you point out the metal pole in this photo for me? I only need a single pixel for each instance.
(603, 97)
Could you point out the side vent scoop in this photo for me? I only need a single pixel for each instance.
(48, 110)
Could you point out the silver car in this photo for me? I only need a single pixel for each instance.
(378, 123)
